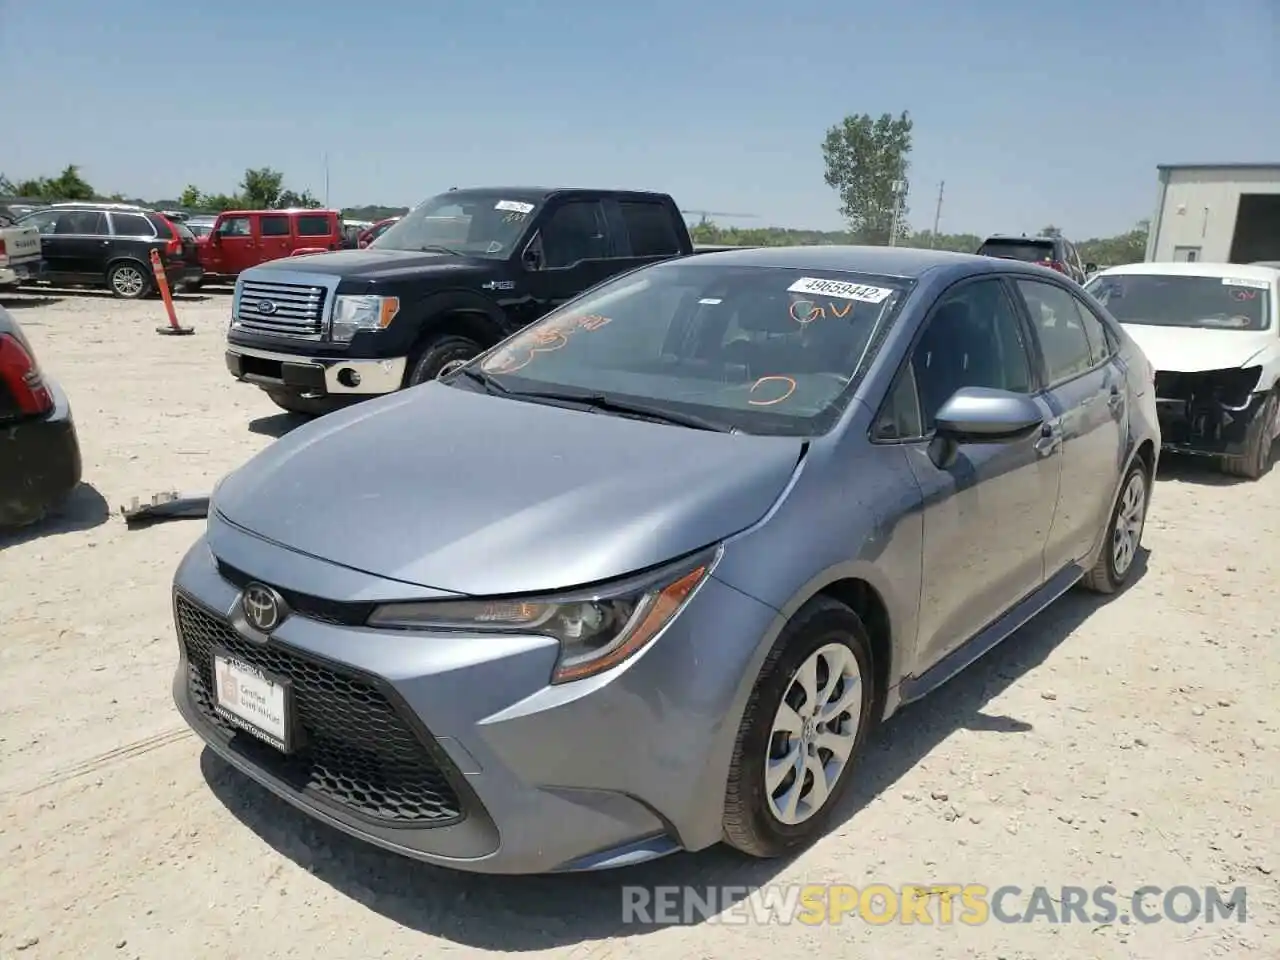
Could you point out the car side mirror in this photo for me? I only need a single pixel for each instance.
(531, 258)
(985, 415)
(1090, 268)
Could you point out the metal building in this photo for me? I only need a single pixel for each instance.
(1217, 213)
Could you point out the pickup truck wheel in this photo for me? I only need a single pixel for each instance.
(437, 353)
(129, 280)
(1255, 460)
(304, 406)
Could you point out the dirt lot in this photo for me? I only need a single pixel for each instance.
(1129, 743)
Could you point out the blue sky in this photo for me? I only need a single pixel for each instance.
(1032, 112)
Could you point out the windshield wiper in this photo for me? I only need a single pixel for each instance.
(437, 248)
(605, 404)
(479, 376)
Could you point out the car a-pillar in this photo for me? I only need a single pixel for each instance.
(455, 336)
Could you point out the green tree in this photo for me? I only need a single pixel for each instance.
(1128, 247)
(68, 185)
(191, 196)
(864, 157)
(305, 200)
(261, 188)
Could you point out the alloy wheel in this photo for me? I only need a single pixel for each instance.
(127, 281)
(1129, 519)
(813, 734)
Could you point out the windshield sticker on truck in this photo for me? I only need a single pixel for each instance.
(514, 206)
(1245, 282)
(842, 289)
(710, 301)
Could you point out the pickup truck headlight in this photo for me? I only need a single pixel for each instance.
(351, 314)
(597, 629)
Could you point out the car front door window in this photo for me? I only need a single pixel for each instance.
(574, 232)
(1059, 328)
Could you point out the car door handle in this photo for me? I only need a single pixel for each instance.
(1116, 400)
(1050, 440)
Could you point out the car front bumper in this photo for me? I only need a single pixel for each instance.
(316, 376)
(39, 461)
(1206, 427)
(455, 749)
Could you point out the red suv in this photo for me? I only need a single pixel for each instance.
(1056, 253)
(241, 239)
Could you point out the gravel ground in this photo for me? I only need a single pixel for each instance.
(1124, 743)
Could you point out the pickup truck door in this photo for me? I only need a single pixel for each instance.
(569, 253)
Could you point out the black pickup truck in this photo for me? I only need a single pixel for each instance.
(456, 275)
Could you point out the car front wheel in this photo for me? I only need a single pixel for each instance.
(805, 722)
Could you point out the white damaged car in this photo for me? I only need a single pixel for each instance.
(1212, 333)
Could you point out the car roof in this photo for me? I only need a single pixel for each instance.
(1038, 238)
(906, 263)
(546, 193)
(1246, 271)
(95, 205)
(245, 213)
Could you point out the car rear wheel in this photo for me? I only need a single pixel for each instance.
(437, 353)
(129, 280)
(1255, 460)
(805, 722)
(1123, 535)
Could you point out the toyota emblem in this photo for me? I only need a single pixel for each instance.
(266, 307)
(263, 607)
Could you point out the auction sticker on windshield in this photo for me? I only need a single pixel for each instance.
(251, 700)
(842, 289)
(514, 206)
(1246, 282)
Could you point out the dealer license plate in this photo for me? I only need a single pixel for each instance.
(253, 701)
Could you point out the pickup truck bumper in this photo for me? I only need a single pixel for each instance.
(316, 376)
(16, 272)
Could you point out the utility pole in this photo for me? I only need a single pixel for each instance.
(899, 189)
(937, 215)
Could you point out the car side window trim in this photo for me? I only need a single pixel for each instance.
(1025, 308)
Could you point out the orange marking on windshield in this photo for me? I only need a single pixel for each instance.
(836, 313)
(544, 339)
(805, 312)
(788, 382)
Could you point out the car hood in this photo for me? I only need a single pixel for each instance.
(371, 264)
(1193, 349)
(475, 494)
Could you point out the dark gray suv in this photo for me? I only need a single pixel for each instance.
(1056, 253)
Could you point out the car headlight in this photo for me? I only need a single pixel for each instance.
(597, 629)
(351, 314)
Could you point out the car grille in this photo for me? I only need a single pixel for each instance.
(292, 310)
(356, 750)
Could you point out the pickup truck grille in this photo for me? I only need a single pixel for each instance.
(281, 309)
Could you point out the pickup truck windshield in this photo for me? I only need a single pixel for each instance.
(765, 350)
(474, 223)
(1170, 300)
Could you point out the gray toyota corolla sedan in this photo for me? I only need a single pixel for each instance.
(642, 577)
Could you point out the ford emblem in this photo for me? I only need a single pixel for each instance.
(266, 307)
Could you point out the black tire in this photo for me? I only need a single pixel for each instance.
(749, 824)
(1256, 459)
(130, 280)
(427, 363)
(304, 406)
(1107, 575)
(193, 286)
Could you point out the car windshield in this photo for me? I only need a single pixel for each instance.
(475, 223)
(763, 350)
(1164, 300)
(1029, 251)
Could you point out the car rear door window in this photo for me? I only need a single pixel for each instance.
(1060, 329)
(82, 223)
(131, 225)
(313, 225)
(972, 339)
(277, 226)
(573, 233)
(650, 228)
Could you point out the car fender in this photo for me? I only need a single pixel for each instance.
(430, 309)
